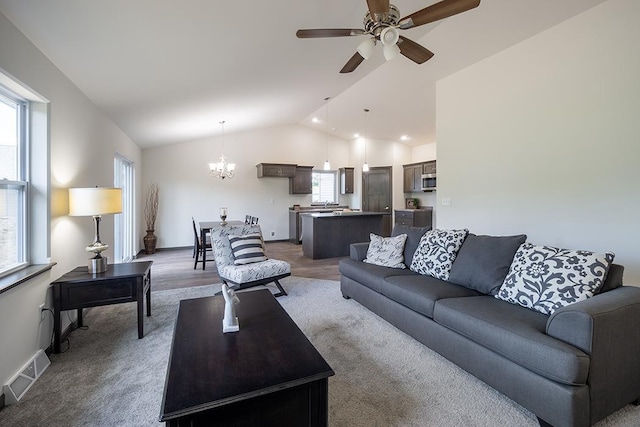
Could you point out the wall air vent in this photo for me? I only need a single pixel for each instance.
(24, 379)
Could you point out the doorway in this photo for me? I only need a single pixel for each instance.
(377, 194)
(124, 224)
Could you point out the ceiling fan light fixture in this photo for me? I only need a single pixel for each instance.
(365, 49)
(390, 51)
(389, 36)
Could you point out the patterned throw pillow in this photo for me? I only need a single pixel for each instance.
(545, 278)
(437, 251)
(247, 249)
(386, 251)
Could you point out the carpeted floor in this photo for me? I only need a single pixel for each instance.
(108, 377)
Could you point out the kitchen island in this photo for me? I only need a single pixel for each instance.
(328, 235)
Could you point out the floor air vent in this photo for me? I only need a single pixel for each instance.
(24, 379)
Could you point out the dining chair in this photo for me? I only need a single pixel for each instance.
(203, 243)
(242, 261)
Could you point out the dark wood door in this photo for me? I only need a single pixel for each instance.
(377, 194)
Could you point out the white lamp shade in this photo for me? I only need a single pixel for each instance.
(365, 167)
(95, 201)
(327, 165)
(365, 49)
(390, 51)
(389, 36)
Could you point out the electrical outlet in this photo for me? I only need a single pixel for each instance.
(273, 233)
(41, 309)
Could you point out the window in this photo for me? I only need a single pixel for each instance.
(324, 187)
(13, 182)
(124, 223)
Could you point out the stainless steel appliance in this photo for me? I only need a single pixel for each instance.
(428, 182)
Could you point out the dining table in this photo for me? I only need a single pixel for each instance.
(207, 226)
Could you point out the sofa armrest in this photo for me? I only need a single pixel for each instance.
(606, 327)
(358, 251)
(599, 319)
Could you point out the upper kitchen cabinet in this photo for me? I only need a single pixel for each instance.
(276, 170)
(412, 177)
(301, 182)
(346, 180)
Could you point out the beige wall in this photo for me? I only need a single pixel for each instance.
(186, 190)
(82, 147)
(542, 138)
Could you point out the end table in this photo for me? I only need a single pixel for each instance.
(79, 289)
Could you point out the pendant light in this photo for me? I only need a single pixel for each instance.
(365, 167)
(222, 169)
(327, 165)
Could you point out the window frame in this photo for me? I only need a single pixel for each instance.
(21, 181)
(335, 185)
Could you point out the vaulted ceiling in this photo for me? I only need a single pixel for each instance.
(169, 71)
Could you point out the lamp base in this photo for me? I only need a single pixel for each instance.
(97, 265)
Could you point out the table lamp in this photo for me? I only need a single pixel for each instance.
(95, 202)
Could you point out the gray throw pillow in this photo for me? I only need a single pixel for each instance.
(483, 261)
(414, 234)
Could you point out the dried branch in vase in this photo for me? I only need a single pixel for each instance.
(151, 207)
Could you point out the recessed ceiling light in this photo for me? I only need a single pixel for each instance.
(404, 138)
(315, 120)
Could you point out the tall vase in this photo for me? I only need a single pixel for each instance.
(150, 241)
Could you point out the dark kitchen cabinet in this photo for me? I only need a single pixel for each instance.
(275, 170)
(429, 167)
(346, 180)
(301, 182)
(412, 178)
(414, 217)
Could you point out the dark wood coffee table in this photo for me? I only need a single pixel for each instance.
(267, 374)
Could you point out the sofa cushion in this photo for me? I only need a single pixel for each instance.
(369, 275)
(516, 333)
(483, 261)
(386, 251)
(437, 251)
(614, 278)
(420, 293)
(414, 234)
(545, 278)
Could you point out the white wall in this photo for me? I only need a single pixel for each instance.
(82, 146)
(186, 189)
(542, 138)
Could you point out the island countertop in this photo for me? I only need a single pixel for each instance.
(339, 214)
(328, 235)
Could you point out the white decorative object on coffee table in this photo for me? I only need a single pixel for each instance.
(230, 321)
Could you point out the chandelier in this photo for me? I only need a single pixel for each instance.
(222, 169)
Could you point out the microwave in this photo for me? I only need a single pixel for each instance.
(428, 182)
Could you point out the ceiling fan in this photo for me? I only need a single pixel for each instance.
(381, 24)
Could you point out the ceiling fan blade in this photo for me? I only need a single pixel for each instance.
(352, 63)
(379, 9)
(414, 51)
(437, 11)
(328, 32)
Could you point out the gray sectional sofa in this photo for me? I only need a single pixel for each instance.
(571, 368)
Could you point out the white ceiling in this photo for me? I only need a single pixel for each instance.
(169, 71)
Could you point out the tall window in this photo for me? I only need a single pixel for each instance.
(124, 223)
(324, 187)
(13, 182)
